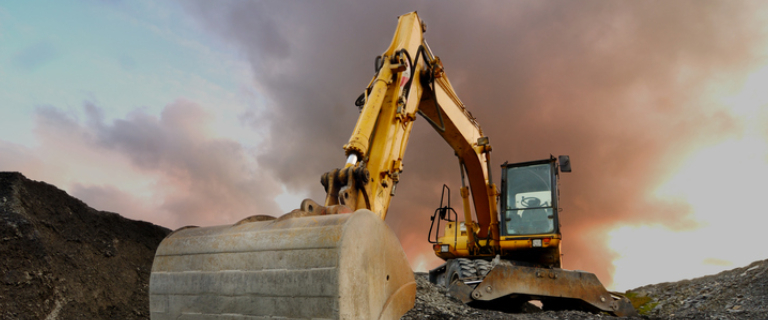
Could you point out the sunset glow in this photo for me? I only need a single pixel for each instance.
(202, 113)
(724, 186)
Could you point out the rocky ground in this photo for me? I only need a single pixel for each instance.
(741, 293)
(64, 260)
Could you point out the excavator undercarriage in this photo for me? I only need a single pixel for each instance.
(505, 286)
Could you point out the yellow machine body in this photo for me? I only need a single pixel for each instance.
(458, 245)
(337, 259)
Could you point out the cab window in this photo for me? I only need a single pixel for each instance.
(529, 204)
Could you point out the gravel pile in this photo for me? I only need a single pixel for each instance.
(741, 293)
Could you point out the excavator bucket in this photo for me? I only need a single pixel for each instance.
(341, 266)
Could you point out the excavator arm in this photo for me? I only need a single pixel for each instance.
(409, 79)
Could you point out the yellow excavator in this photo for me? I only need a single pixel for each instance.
(339, 260)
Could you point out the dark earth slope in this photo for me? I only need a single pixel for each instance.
(64, 260)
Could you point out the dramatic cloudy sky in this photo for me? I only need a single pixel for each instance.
(201, 113)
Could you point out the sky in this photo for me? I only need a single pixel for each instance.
(203, 113)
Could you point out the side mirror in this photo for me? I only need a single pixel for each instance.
(565, 163)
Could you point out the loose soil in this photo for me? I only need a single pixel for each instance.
(64, 260)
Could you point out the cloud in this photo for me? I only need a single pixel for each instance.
(111, 198)
(16, 157)
(619, 86)
(168, 169)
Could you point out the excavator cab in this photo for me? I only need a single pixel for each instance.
(529, 202)
(529, 198)
(528, 222)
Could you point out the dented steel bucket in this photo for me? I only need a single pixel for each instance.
(342, 266)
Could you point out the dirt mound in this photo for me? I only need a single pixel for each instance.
(741, 293)
(64, 260)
